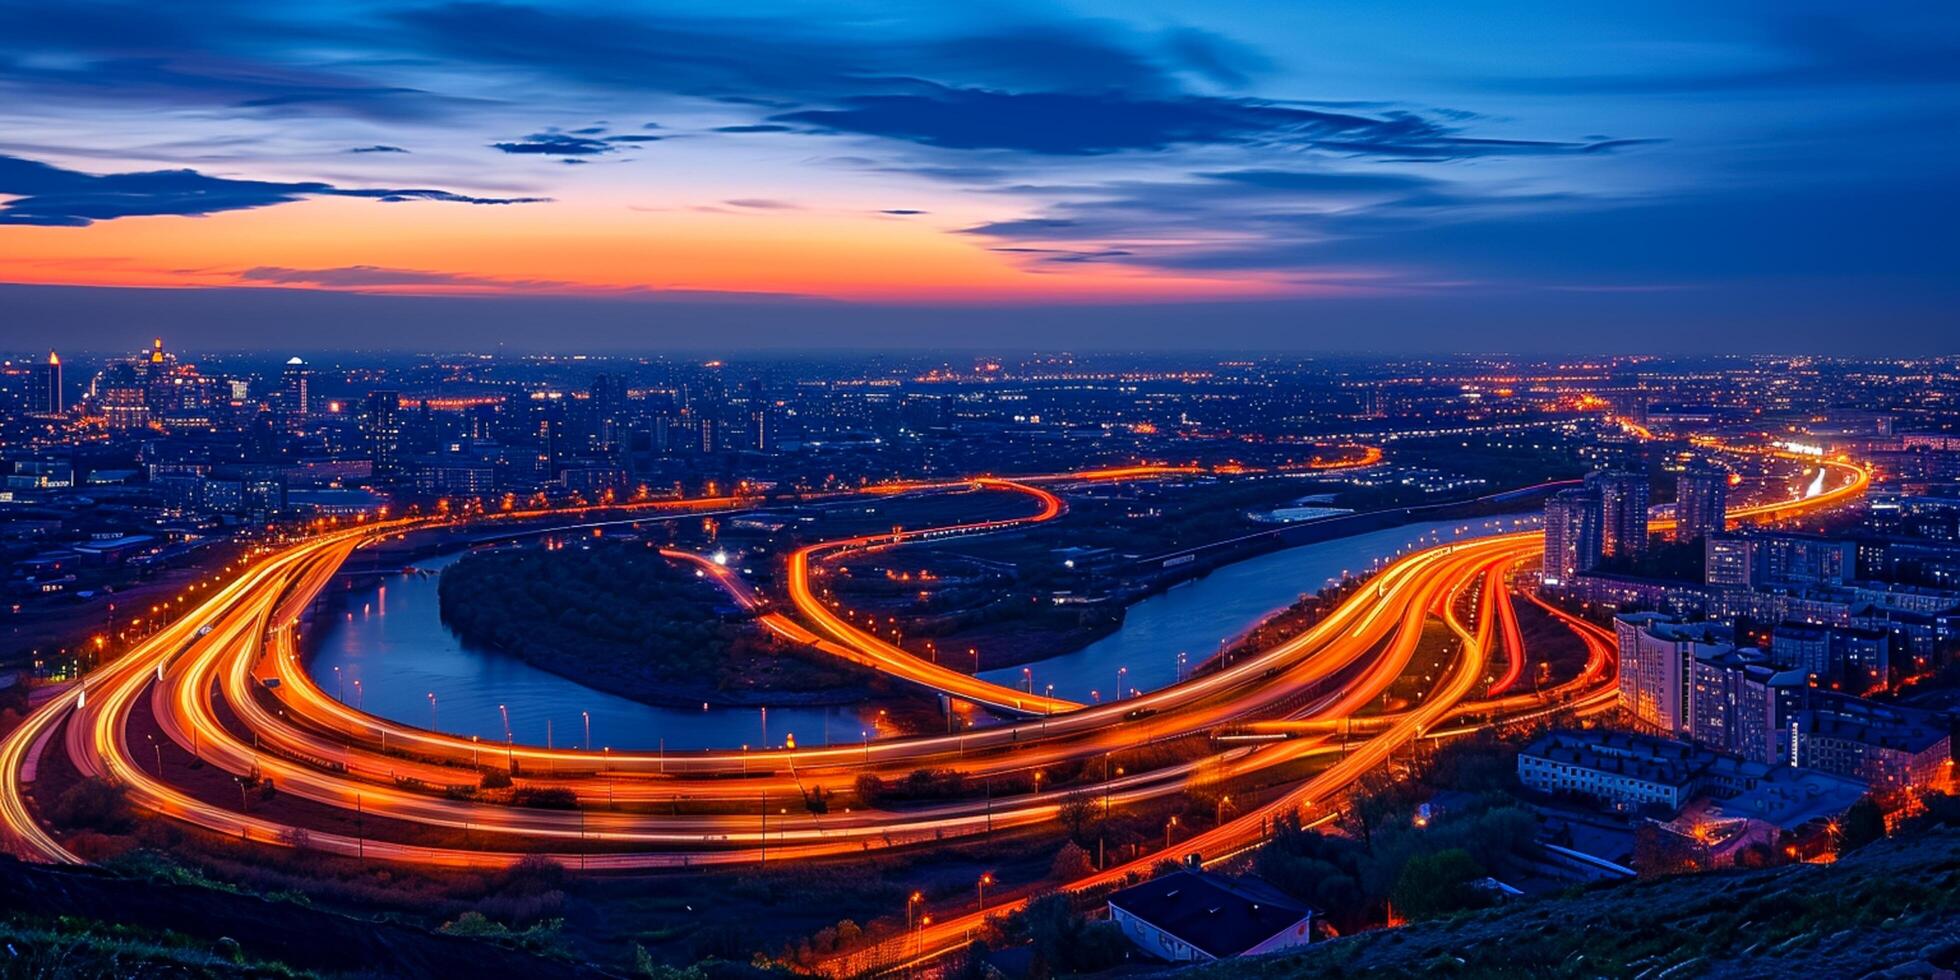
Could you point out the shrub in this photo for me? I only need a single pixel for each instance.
(545, 798)
(1438, 884)
(1071, 862)
(93, 804)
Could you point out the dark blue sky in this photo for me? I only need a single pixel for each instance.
(1161, 173)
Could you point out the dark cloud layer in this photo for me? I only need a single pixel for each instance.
(555, 144)
(47, 195)
(1072, 124)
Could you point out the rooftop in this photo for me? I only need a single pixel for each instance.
(1221, 916)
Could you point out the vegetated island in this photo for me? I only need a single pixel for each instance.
(617, 617)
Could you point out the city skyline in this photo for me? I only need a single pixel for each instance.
(1525, 178)
(1055, 489)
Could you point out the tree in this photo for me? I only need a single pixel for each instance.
(1372, 801)
(1437, 884)
(1071, 862)
(1078, 814)
(1862, 824)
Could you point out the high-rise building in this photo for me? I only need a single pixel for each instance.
(1701, 505)
(1657, 667)
(606, 401)
(295, 389)
(44, 395)
(1572, 531)
(1623, 511)
(122, 397)
(381, 429)
(1728, 560)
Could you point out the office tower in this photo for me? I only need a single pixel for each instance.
(44, 387)
(761, 433)
(1572, 532)
(295, 389)
(606, 420)
(1701, 506)
(381, 429)
(122, 397)
(1623, 509)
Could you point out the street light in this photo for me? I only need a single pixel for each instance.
(1167, 831)
(1121, 672)
(434, 725)
(985, 880)
(910, 904)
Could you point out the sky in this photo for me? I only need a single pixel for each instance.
(1226, 174)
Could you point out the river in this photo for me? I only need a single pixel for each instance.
(391, 639)
(1195, 617)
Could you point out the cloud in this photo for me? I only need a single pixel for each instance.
(1259, 222)
(761, 204)
(555, 144)
(1215, 57)
(373, 276)
(43, 194)
(226, 55)
(585, 141)
(377, 148)
(778, 61)
(902, 211)
(1067, 256)
(756, 128)
(1072, 124)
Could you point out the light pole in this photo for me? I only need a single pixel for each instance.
(985, 880)
(910, 904)
(1167, 831)
(587, 715)
(505, 715)
(1223, 802)
(339, 692)
(1121, 672)
(358, 699)
(434, 725)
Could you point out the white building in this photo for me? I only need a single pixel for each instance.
(1198, 917)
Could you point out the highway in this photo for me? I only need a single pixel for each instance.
(225, 682)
